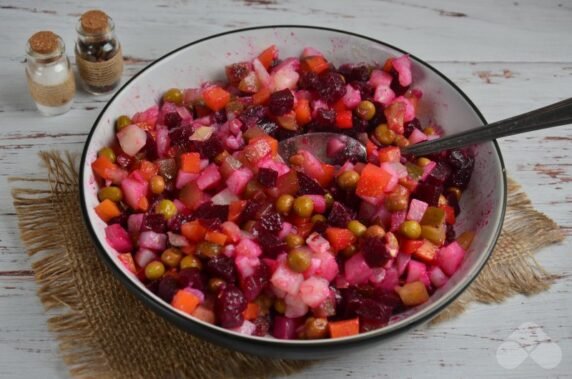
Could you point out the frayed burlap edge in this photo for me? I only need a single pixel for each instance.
(512, 268)
(80, 348)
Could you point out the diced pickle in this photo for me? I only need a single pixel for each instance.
(434, 234)
(433, 216)
(208, 249)
(414, 171)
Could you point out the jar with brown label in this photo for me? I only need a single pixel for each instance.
(98, 53)
(50, 78)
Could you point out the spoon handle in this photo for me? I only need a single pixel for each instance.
(552, 115)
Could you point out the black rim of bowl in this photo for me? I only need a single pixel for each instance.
(245, 342)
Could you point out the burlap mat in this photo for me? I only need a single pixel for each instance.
(105, 332)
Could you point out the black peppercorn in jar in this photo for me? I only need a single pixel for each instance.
(98, 53)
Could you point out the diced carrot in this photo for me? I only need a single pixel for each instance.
(235, 209)
(339, 106)
(413, 293)
(426, 252)
(185, 301)
(268, 56)
(344, 119)
(191, 162)
(143, 204)
(316, 64)
(408, 246)
(372, 181)
(328, 175)
(107, 209)
(344, 328)
(193, 231)
(449, 214)
(127, 260)
(303, 225)
(148, 169)
(251, 311)
(389, 154)
(102, 166)
(303, 112)
(216, 98)
(340, 238)
(261, 97)
(388, 65)
(188, 250)
(216, 237)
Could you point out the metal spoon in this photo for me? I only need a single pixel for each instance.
(556, 114)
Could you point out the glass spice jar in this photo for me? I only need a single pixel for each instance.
(50, 78)
(98, 53)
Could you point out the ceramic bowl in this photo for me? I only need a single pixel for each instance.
(483, 203)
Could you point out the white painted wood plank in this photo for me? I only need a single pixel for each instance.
(487, 30)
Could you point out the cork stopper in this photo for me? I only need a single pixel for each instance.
(94, 21)
(44, 42)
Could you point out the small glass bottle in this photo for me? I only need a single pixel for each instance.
(50, 78)
(98, 53)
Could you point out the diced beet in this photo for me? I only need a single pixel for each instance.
(209, 211)
(179, 219)
(168, 286)
(285, 328)
(253, 115)
(440, 174)
(331, 87)
(409, 126)
(462, 165)
(222, 267)
(154, 222)
(219, 117)
(210, 148)
(339, 215)
(172, 120)
(262, 324)
(271, 221)
(271, 245)
(372, 310)
(180, 137)
(123, 160)
(237, 71)
(229, 305)
(281, 102)
(375, 252)
(309, 81)
(453, 202)
(395, 86)
(250, 210)
(325, 118)
(192, 277)
(308, 186)
(267, 177)
(450, 233)
(428, 193)
(253, 285)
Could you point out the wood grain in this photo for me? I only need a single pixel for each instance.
(508, 56)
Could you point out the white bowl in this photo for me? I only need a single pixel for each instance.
(483, 203)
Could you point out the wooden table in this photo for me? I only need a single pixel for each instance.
(508, 56)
